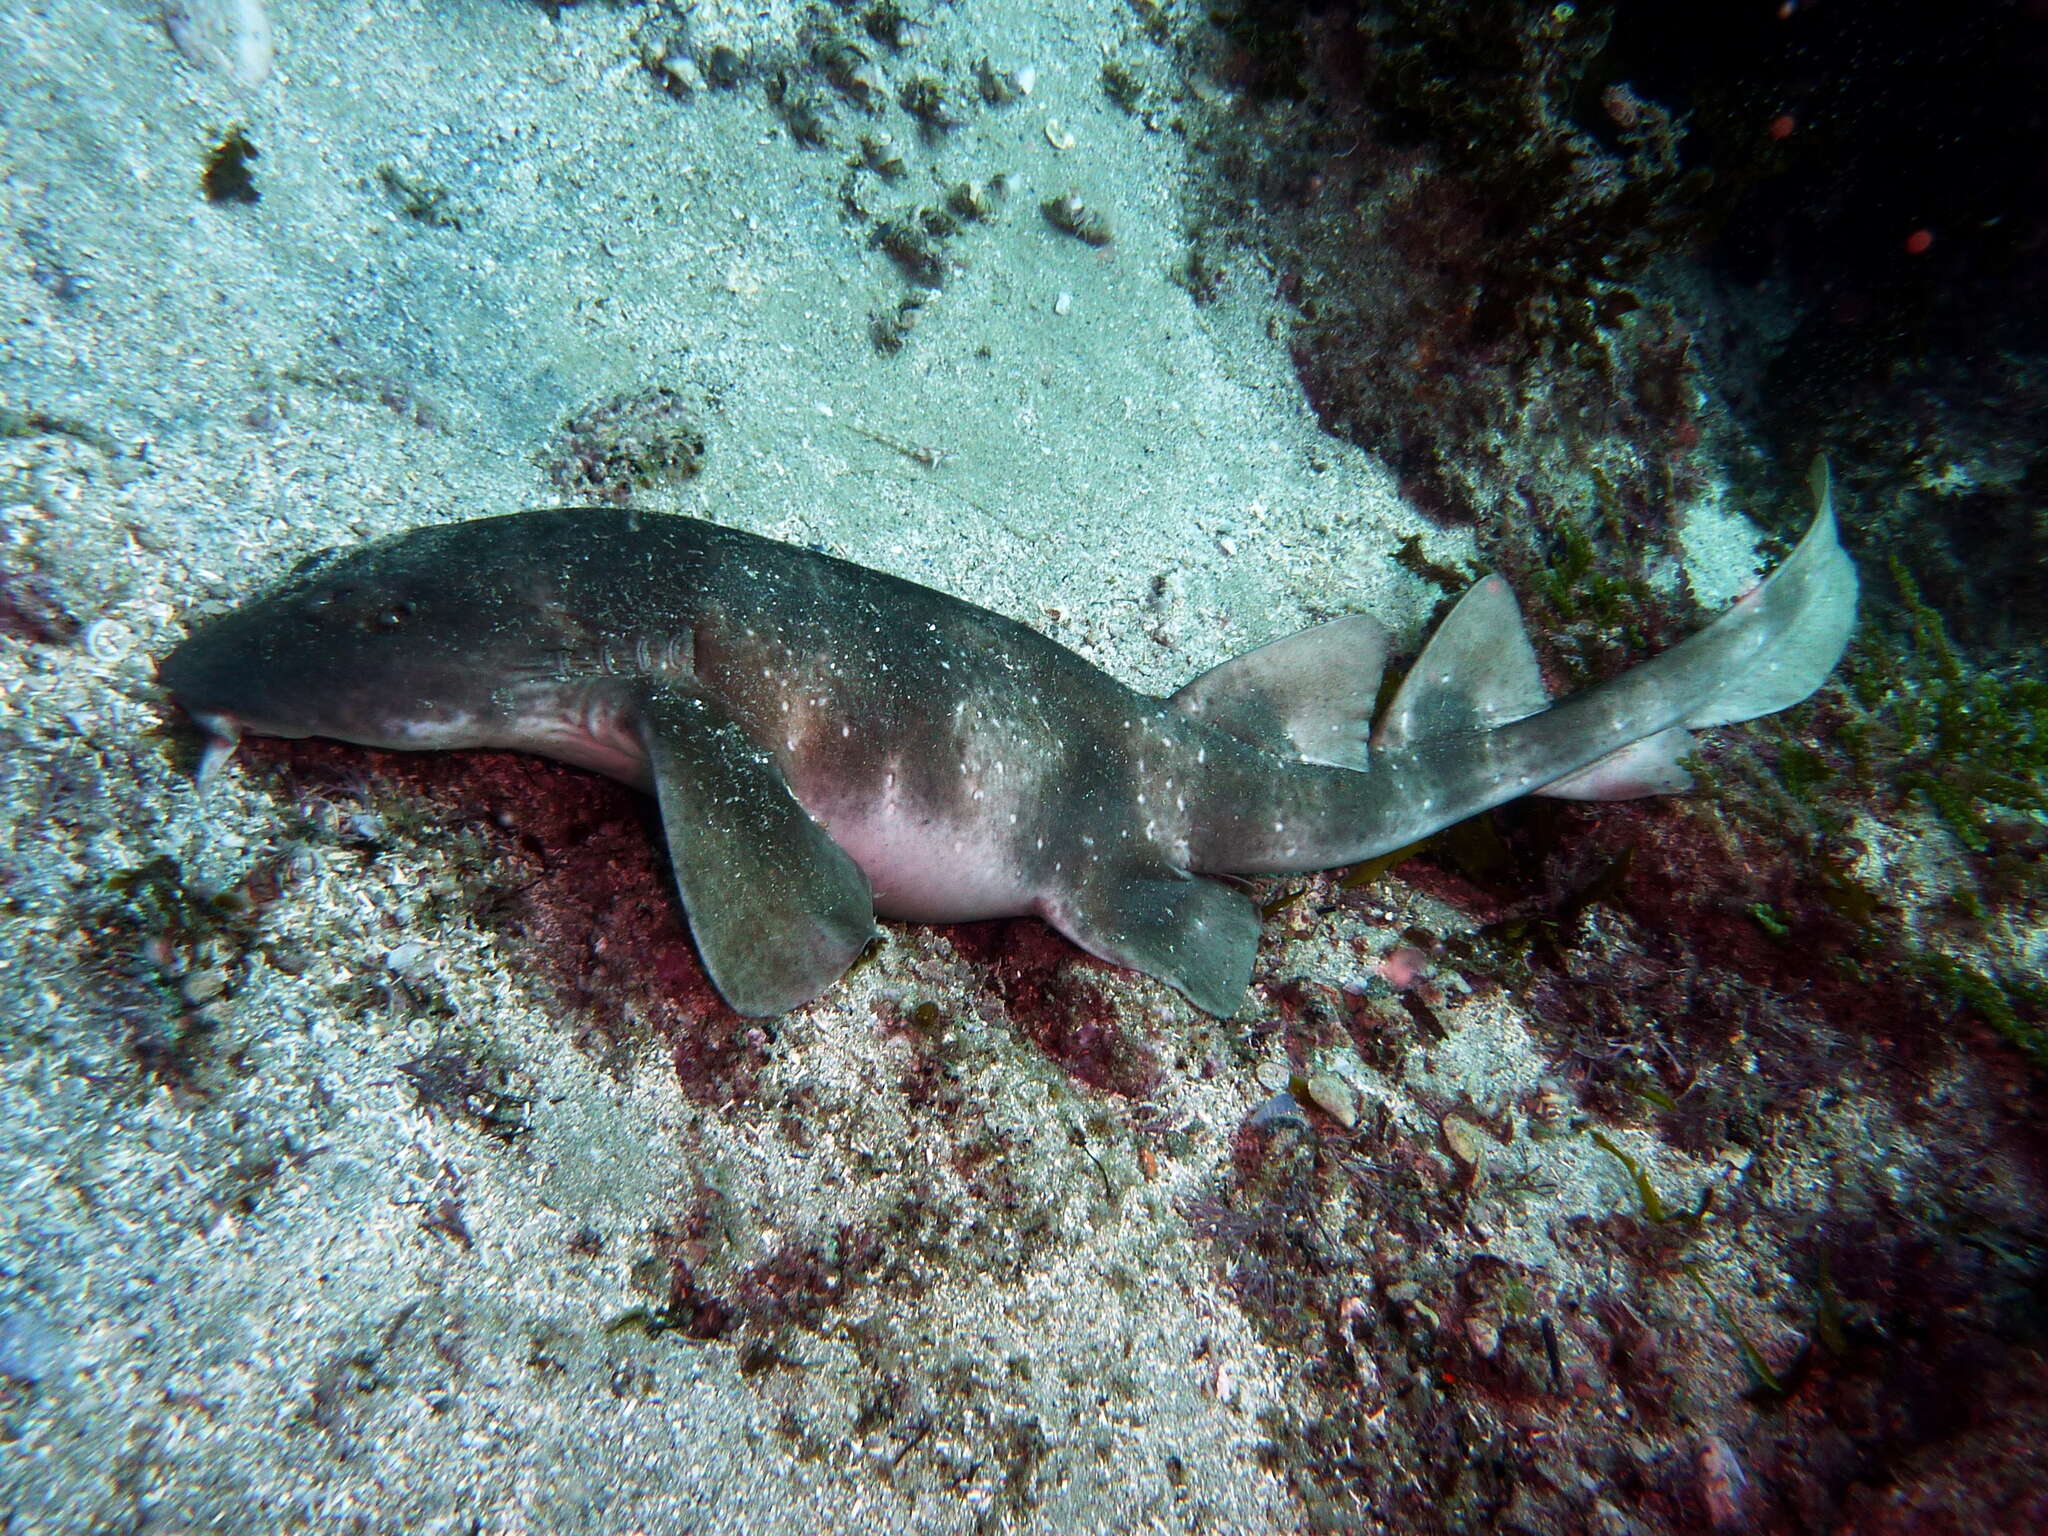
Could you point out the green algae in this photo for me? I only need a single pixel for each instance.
(2013, 1006)
(1969, 741)
(1581, 593)
(1768, 919)
(1765, 1382)
(1654, 1210)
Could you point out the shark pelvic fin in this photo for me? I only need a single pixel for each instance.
(223, 735)
(1651, 766)
(1197, 936)
(1478, 672)
(778, 910)
(1309, 695)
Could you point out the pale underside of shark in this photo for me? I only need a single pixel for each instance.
(827, 742)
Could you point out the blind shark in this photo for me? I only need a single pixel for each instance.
(827, 742)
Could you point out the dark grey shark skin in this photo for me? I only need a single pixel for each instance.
(827, 742)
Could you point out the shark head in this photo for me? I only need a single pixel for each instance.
(386, 647)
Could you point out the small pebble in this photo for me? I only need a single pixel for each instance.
(202, 987)
(31, 1347)
(1724, 1485)
(1465, 1140)
(1281, 1109)
(1484, 1336)
(1403, 966)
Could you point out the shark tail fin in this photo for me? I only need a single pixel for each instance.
(1309, 695)
(1773, 648)
(1782, 638)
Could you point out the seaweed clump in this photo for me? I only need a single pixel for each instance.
(168, 951)
(228, 176)
(630, 443)
(1971, 743)
(490, 1095)
(1466, 206)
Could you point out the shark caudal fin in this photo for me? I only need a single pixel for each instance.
(1782, 638)
(1773, 648)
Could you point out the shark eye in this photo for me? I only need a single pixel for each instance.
(394, 615)
(327, 599)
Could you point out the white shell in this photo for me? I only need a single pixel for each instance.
(108, 639)
(229, 37)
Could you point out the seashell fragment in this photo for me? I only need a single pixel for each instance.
(1000, 87)
(1462, 1139)
(879, 153)
(228, 37)
(108, 640)
(1335, 1098)
(1070, 215)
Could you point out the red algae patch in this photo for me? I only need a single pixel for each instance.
(1044, 987)
(568, 866)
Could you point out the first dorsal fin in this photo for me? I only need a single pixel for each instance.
(1308, 696)
(1477, 672)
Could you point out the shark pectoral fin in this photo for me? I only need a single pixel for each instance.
(1477, 672)
(1647, 767)
(1309, 695)
(1196, 936)
(778, 910)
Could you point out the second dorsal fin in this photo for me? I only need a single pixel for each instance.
(1478, 672)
